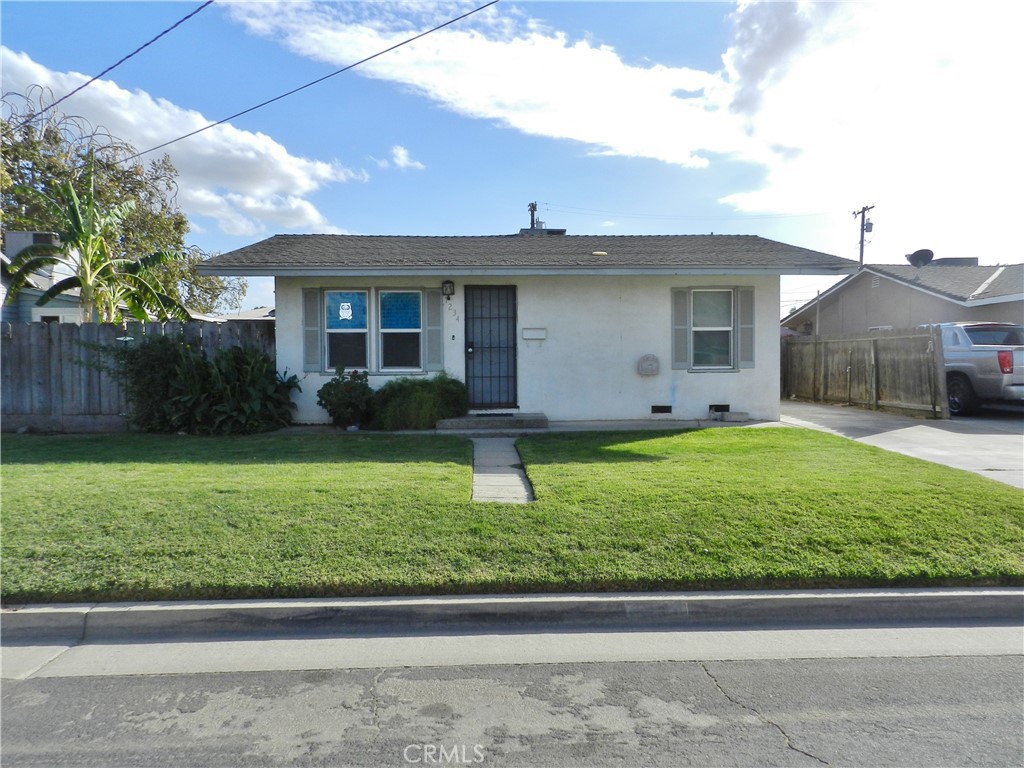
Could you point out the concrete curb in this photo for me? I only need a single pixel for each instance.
(608, 612)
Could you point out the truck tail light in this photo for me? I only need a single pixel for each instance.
(1006, 360)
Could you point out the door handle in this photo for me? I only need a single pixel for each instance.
(469, 348)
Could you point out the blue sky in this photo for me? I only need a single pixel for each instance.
(775, 119)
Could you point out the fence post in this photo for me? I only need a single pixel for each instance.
(57, 373)
(784, 368)
(816, 386)
(939, 376)
(873, 358)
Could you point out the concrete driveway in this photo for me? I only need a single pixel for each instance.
(990, 444)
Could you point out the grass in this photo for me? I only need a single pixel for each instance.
(131, 517)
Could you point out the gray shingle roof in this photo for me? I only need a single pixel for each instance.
(522, 254)
(959, 283)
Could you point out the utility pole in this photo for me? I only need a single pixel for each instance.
(865, 226)
(533, 215)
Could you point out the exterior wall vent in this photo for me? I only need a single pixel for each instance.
(661, 409)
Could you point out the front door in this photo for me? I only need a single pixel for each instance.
(491, 346)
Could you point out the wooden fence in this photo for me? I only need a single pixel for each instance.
(895, 369)
(57, 377)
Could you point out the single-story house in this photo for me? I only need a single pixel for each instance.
(586, 327)
(892, 296)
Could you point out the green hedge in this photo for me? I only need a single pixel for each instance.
(406, 403)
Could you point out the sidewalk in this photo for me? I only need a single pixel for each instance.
(498, 471)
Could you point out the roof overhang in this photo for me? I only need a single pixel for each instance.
(517, 271)
(1004, 299)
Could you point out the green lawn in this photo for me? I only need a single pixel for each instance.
(127, 517)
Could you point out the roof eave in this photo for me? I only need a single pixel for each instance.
(520, 271)
(1005, 299)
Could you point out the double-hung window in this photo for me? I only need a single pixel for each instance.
(712, 328)
(347, 329)
(400, 329)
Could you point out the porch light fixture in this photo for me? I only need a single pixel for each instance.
(448, 289)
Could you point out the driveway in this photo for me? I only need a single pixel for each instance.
(990, 444)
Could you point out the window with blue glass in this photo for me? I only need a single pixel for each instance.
(401, 328)
(347, 329)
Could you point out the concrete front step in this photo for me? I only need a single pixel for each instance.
(495, 421)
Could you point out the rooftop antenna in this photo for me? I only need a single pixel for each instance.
(532, 207)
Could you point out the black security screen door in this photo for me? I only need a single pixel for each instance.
(491, 346)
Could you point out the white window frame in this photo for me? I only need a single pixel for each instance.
(731, 329)
(381, 331)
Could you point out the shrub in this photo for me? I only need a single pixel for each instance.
(419, 403)
(192, 398)
(148, 385)
(174, 387)
(348, 399)
(248, 395)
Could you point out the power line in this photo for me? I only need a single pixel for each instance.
(119, 63)
(312, 83)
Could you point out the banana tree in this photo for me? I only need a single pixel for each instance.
(105, 283)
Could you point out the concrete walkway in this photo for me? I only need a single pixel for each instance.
(498, 471)
(990, 444)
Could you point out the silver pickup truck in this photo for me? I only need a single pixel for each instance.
(984, 364)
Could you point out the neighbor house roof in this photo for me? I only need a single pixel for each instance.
(522, 254)
(968, 286)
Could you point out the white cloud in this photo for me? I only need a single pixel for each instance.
(904, 105)
(508, 69)
(246, 181)
(900, 105)
(400, 157)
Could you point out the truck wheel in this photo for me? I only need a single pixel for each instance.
(962, 400)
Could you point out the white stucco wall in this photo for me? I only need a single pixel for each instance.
(596, 330)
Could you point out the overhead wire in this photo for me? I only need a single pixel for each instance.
(142, 47)
(313, 82)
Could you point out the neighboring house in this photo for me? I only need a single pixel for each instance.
(257, 314)
(22, 308)
(884, 296)
(574, 327)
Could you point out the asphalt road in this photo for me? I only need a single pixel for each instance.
(911, 696)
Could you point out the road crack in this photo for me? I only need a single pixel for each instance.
(789, 742)
(375, 702)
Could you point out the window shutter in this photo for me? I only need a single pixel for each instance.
(312, 325)
(745, 327)
(433, 339)
(680, 328)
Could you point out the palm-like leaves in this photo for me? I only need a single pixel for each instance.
(105, 283)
